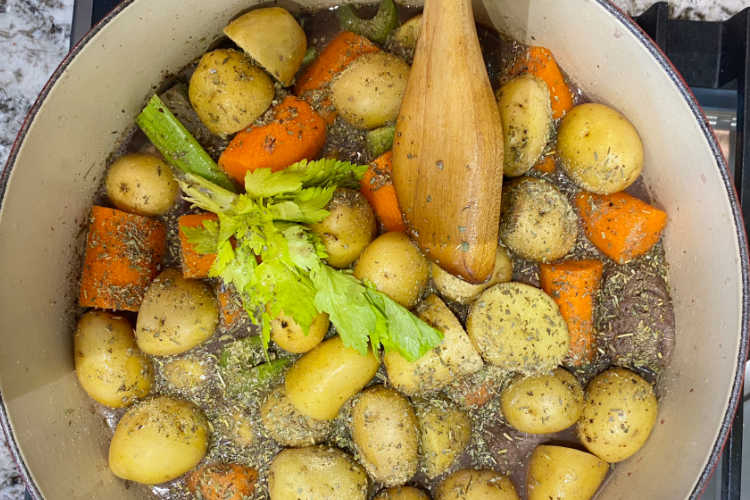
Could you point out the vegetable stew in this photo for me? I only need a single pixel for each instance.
(256, 321)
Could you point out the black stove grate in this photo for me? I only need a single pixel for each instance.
(714, 59)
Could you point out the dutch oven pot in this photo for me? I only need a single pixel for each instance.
(60, 156)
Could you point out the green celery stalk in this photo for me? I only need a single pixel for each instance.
(376, 29)
(177, 145)
(380, 140)
(256, 378)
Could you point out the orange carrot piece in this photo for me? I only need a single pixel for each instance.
(222, 481)
(621, 226)
(573, 285)
(194, 264)
(296, 133)
(539, 62)
(377, 186)
(230, 306)
(337, 55)
(546, 164)
(123, 253)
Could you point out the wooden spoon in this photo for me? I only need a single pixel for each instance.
(448, 149)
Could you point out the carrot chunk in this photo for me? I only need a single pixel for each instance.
(573, 285)
(377, 186)
(123, 252)
(296, 133)
(546, 164)
(338, 54)
(222, 482)
(620, 225)
(539, 62)
(231, 312)
(194, 264)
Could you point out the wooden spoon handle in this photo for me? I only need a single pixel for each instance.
(448, 149)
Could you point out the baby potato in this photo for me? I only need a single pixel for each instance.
(454, 288)
(287, 426)
(619, 413)
(559, 472)
(158, 440)
(395, 266)
(185, 374)
(289, 335)
(369, 91)
(316, 473)
(518, 327)
(454, 358)
(537, 221)
(176, 315)
(407, 34)
(321, 381)
(476, 485)
(542, 404)
(109, 366)
(444, 433)
(348, 229)
(141, 184)
(384, 430)
(599, 148)
(527, 122)
(228, 92)
(402, 493)
(273, 38)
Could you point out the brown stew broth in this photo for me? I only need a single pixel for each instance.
(494, 443)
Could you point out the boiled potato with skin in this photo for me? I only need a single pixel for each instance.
(369, 91)
(537, 221)
(559, 472)
(348, 229)
(109, 366)
(454, 288)
(395, 266)
(158, 440)
(272, 37)
(228, 92)
(407, 34)
(518, 327)
(321, 381)
(176, 315)
(384, 430)
(185, 374)
(444, 433)
(454, 358)
(542, 404)
(599, 148)
(316, 473)
(287, 333)
(476, 485)
(527, 122)
(141, 184)
(619, 413)
(402, 493)
(287, 426)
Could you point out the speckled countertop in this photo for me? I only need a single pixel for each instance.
(34, 37)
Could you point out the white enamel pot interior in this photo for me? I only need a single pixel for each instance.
(60, 155)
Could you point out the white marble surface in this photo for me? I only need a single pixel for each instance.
(34, 38)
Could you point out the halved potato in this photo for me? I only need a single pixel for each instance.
(518, 327)
(272, 37)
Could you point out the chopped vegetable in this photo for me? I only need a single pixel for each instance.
(296, 133)
(177, 145)
(337, 55)
(377, 186)
(546, 164)
(573, 284)
(247, 351)
(380, 140)
(222, 481)
(539, 62)
(194, 263)
(620, 225)
(251, 380)
(291, 277)
(123, 252)
(230, 306)
(376, 29)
